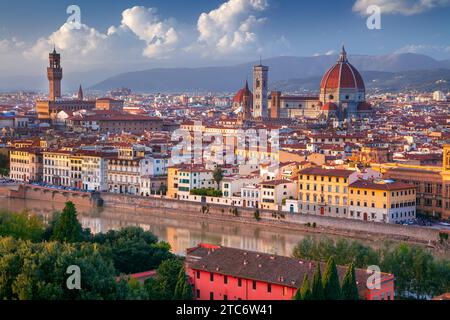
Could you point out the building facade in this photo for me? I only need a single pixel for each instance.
(221, 273)
(26, 164)
(260, 91)
(383, 201)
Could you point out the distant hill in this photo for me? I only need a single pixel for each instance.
(422, 80)
(231, 78)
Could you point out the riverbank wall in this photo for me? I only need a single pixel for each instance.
(38, 193)
(294, 221)
(347, 227)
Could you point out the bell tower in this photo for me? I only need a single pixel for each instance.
(54, 74)
(260, 89)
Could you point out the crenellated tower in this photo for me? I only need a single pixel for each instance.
(54, 74)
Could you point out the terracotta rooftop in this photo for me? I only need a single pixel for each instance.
(263, 267)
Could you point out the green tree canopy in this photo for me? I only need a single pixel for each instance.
(183, 290)
(134, 250)
(331, 286)
(163, 286)
(22, 225)
(218, 176)
(39, 271)
(349, 289)
(306, 291)
(65, 226)
(317, 286)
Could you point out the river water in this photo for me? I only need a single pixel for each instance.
(181, 233)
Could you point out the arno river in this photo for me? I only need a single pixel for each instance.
(181, 232)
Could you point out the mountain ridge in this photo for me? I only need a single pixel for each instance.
(284, 68)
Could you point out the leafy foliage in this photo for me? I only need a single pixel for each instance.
(133, 250)
(22, 225)
(349, 288)
(417, 272)
(207, 192)
(317, 285)
(331, 286)
(66, 227)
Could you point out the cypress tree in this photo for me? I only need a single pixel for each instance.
(183, 290)
(331, 286)
(349, 288)
(179, 287)
(317, 286)
(67, 228)
(298, 295)
(306, 291)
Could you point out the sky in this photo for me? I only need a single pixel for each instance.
(128, 35)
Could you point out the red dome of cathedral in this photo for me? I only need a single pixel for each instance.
(342, 75)
(239, 97)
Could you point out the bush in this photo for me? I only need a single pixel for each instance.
(257, 215)
(207, 193)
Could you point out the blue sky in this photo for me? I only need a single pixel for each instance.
(136, 34)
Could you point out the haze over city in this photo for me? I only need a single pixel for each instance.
(127, 36)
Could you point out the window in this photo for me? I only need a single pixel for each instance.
(198, 294)
(269, 287)
(239, 282)
(254, 285)
(198, 274)
(211, 296)
(225, 279)
(225, 297)
(211, 277)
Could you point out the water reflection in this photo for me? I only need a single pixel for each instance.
(181, 233)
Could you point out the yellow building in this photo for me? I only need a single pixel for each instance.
(25, 164)
(432, 184)
(325, 191)
(181, 179)
(383, 201)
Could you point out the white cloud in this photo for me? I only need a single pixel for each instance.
(433, 50)
(403, 7)
(159, 35)
(141, 38)
(77, 44)
(328, 53)
(232, 28)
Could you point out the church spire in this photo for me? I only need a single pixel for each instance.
(80, 93)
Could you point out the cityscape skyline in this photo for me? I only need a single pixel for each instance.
(137, 35)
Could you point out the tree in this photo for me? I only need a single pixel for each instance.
(22, 225)
(183, 290)
(297, 295)
(349, 289)
(257, 215)
(306, 291)
(163, 286)
(133, 250)
(39, 271)
(331, 286)
(4, 164)
(317, 286)
(66, 227)
(218, 176)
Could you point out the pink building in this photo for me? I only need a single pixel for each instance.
(220, 273)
